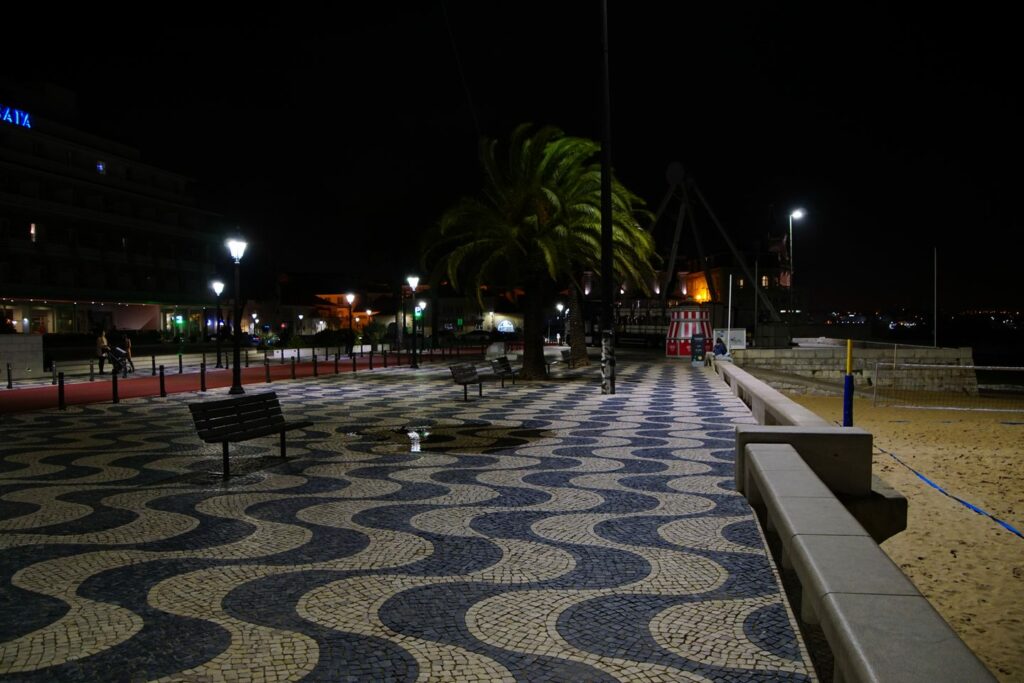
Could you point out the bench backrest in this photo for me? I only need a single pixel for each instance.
(464, 372)
(216, 419)
(501, 365)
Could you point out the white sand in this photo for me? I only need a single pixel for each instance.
(969, 567)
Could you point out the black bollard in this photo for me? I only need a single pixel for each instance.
(298, 354)
(353, 363)
(10, 380)
(202, 376)
(153, 358)
(384, 352)
(163, 387)
(336, 356)
(53, 369)
(315, 369)
(247, 358)
(113, 386)
(266, 367)
(293, 367)
(181, 365)
(282, 355)
(371, 359)
(60, 392)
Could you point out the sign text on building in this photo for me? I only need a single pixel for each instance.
(15, 116)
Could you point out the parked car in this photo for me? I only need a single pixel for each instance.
(474, 338)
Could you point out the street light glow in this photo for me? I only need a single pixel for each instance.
(237, 248)
(218, 287)
(413, 282)
(350, 298)
(797, 214)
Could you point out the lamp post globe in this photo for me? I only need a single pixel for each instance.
(797, 214)
(218, 288)
(237, 249)
(413, 281)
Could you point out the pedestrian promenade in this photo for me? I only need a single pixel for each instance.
(543, 532)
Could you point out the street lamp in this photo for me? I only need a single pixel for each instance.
(797, 214)
(299, 331)
(352, 335)
(413, 282)
(560, 308)
(218, 287)
(237, 249)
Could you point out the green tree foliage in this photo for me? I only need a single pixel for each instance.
(536, 225)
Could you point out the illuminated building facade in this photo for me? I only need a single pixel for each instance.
(90, 236)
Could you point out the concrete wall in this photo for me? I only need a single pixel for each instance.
(828, 362)
(25, 354)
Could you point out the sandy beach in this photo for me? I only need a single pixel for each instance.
(967, 565)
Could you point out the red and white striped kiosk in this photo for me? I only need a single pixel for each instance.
(687, 321)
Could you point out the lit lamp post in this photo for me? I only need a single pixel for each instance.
(413, 282)
(351, 334)
(218, 288)
(560, 308)
(797, 214)
(237, 249)
(299, 330)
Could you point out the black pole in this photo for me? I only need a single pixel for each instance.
(181, 366)
(247, 358)
(371, 359)
(316, 372)
(219, 332)
(282, 355)
(10, 380)
(385, 352)
(153, 360)
(293, 367)
(202, 376)
(266, 369)
(336, 357)
(113, 386)
(163, 387)
(607, 276)
(412, 349)
(236, 374)
(60, 392)
(353, 363)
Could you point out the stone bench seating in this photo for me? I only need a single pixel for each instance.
(879, 627)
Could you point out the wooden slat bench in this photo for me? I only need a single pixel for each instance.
(503, 369)
(465, 374)
(242, 418)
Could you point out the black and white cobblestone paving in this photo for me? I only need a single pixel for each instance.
(544, 532)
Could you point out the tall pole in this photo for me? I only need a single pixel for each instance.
(935, 299)
(791, 269)
(607, 279)
(236, 369)
(219, 332)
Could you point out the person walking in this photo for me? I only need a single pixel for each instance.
(126, 344)
(102, 348)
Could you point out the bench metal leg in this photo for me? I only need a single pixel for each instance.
(480, 386)
(465, 392)
(225, 459)
(283, 452)
(503, 381)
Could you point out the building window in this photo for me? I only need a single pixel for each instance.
(741, 283)
(32, 231)
(764, 280)
(101, 167)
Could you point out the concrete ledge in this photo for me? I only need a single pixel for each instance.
(841, 456)
(877, 624)
(768, 405)
(898, 638)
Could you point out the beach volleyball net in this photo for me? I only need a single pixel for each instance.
(956, 387)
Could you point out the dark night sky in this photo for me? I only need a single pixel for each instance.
(336, 138)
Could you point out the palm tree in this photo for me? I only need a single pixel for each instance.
(536, 224)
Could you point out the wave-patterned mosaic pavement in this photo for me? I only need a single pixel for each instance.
(544, 532)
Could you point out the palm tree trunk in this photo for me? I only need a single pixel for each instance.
(533, 334)
(577, 335)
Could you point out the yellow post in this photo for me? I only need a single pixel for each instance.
(848, 386)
